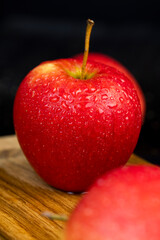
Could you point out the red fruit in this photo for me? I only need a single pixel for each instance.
(73, 130)
(102, 58)
(124, 204)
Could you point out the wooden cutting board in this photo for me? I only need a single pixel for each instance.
(24, 197)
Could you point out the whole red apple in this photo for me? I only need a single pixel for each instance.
(124, 204)
(73, 130)
(105, 59)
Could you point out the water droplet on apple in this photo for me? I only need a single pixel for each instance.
(88, 105)
(54, 90)
(85, 90)
(122, 80)
(89, 97)
(119, 111)
(93, 89)
(78, 91)
(65, 96)
(104, 97)
(90, 90)
(100, 110)
(112, 104)
(55, 99)
(86, 123)
(121, 99)
(63, 104)
(125, 94)
(78, 105)
(46, 91)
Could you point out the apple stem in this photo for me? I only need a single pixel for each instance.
(53, 216)
(90, 24)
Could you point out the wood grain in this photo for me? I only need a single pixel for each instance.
(24, 196)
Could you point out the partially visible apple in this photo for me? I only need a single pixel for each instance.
(105, 59)
(124, 204)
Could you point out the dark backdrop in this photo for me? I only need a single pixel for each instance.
(35, 31)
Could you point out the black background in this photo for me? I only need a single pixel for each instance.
(129, 31)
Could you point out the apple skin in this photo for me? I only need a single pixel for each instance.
(105, 59)
(71, 130)
(124, 204)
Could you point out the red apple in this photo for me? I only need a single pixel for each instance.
(76, 121)
(102, 58)
(124, 204)
(73, 130)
